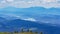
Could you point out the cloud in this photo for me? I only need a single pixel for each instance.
(30, 19)
(9, 0)
(14, 16)
(30, 3)
(34, 28)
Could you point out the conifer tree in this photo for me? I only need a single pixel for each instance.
(41, 32)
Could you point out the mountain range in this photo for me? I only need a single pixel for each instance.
(16, 24)
(30, 11)
(46, 20)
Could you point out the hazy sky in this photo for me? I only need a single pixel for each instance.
(30, 3)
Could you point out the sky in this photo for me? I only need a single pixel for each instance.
(30, 3)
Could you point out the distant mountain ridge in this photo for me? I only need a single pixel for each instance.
(48, 19)
(31, 8)
(32, 11)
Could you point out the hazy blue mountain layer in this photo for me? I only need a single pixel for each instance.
(16, 24)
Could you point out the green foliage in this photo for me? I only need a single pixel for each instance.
(1, 33)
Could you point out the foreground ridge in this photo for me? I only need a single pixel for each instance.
(22, 32)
